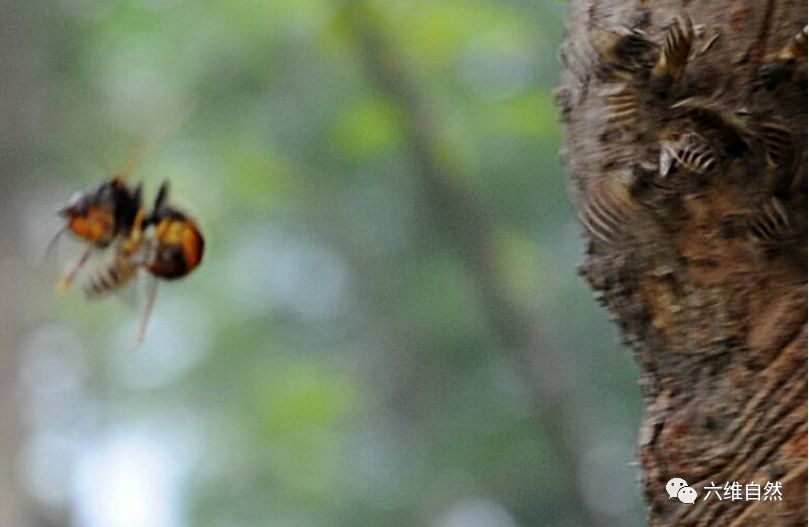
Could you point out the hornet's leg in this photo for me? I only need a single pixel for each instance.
(67, 280)
(147, 312)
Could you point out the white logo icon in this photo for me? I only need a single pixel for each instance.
(674, 485)
(678, 488)
(687, 495)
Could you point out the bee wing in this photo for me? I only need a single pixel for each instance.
(159, 134)
(667, 159)
(134, 159)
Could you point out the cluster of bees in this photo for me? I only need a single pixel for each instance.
(164, 242)
(697, 135)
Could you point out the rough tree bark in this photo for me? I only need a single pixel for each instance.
(686, 152)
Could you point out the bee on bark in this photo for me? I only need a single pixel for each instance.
(786, 64)
(779, 153)
(622, 105)
(690, 151)
(670, 66)
(623, 51)
(609, 208)
(771, 224)
(733, 124)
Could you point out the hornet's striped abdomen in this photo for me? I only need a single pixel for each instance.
(110, 278)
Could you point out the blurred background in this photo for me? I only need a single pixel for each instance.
(388, 328)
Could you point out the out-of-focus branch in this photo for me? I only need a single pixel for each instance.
(465, 217)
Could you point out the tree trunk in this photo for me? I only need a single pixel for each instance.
(686, 152)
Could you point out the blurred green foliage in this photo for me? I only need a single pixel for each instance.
(330, 363)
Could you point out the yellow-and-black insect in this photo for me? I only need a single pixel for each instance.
(786, 64)
(735, 125)
(174, 243)
(101, 217)
(622, 50)
(673, 57)
(609, 209)
(690, 151)
(165, 242)
(771, 223)
(623, 106)
(780, 154)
